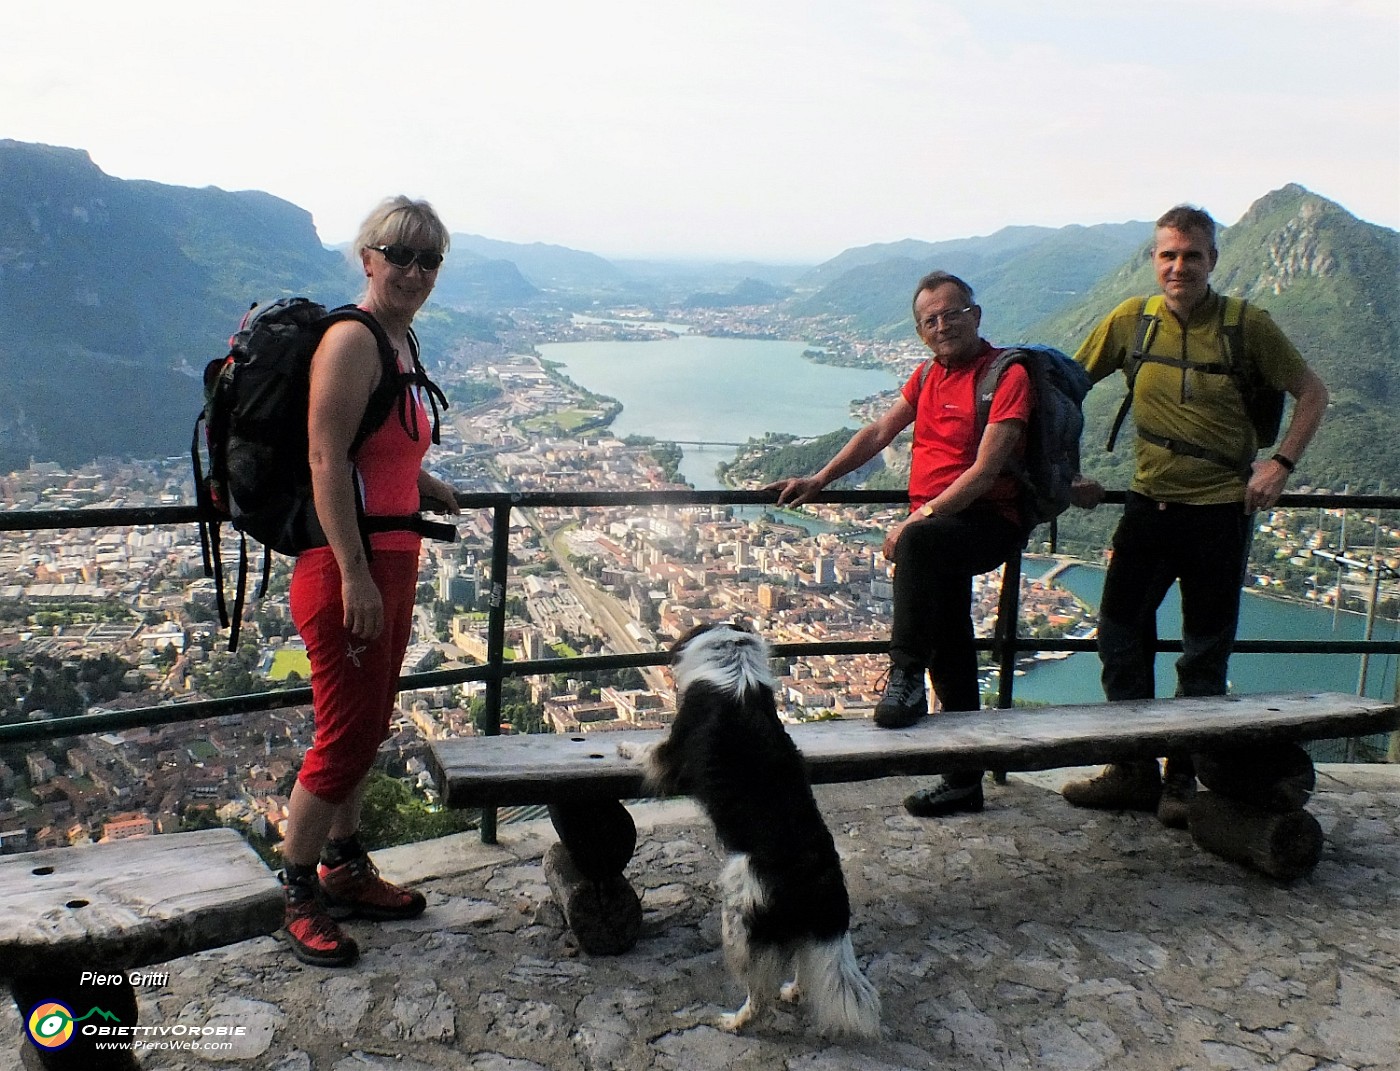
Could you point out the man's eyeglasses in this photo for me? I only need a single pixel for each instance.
(952, 317)
(403, 256)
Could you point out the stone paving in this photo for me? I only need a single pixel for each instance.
(1031, 936)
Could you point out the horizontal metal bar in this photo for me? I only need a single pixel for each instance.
(44, 520)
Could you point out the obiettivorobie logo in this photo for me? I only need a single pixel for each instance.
(51, 1025)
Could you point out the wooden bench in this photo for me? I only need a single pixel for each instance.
(583, 779)
(103, 910)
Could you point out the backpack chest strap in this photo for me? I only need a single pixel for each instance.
(1190, 449)
(1217, 368)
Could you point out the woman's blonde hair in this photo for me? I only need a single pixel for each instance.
(402, 221)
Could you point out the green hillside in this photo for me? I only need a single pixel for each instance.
(1022, 275)
(114, 294)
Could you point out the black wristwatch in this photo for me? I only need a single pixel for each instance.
(1287, 462)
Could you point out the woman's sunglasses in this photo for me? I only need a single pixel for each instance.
(402, 256)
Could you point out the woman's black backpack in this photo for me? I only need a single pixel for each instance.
(257, 476)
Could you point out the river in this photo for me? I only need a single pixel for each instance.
(730, 390)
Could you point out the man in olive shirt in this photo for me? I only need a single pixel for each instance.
(1189, 515)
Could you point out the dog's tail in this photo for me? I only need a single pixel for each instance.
(840, 998)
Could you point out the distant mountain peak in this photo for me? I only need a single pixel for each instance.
(1289, 198)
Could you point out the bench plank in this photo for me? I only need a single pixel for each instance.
(133, 902)
(519, 770)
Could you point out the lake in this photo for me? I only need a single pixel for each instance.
(1076, 679)
(699, 389)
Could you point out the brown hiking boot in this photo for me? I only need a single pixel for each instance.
(355, 890)
(1124, 786)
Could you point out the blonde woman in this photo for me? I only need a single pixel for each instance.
(352, 602)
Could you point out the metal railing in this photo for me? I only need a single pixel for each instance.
(1006, 644)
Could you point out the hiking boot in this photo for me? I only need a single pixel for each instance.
(1174, 807)
(945, 799)
(355, 890)
(904, 701)
(314, 936)
(1124, 786)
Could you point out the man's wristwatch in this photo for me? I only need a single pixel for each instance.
(1287, 462)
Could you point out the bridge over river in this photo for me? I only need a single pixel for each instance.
(1057, 568)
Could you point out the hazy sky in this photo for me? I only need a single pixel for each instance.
(779, 130)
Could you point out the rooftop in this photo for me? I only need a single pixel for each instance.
(1030, 936)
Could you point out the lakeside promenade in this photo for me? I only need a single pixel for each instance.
(1032, 936)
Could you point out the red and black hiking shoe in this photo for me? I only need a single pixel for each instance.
(314, 936)
(355, 890)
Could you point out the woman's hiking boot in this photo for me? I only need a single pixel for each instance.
(354, 889)
(314, 936)
(1122, 786)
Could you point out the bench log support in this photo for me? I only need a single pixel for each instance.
(1253, 812)
(1284, 845)
(596, 840)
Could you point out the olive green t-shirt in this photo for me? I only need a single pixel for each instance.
(1179, 403)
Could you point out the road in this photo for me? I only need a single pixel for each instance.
(611, 615)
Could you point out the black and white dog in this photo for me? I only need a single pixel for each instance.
(784, 899)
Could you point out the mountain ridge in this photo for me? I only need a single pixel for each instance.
(113, 293)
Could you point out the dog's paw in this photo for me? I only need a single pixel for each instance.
(790, 993)
(732, 1022)
(633, 752)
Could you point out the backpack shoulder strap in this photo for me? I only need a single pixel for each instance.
(988, 382)
(381, 399)
(437, 400)
(1232, 333)
(1148, 321)
(1149, 316)
(924, 370)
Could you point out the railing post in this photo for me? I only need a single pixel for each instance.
(1007, 631)
(1004, 645)
(496, 640)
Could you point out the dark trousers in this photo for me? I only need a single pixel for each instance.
(935, 561)
(1206, 550)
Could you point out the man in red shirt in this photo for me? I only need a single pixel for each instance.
(963, 517)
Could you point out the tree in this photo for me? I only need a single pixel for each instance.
(392, 814)
(198, 818)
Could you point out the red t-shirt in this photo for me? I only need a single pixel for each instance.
(945, 427)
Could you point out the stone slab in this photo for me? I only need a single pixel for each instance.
(133, 902)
